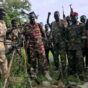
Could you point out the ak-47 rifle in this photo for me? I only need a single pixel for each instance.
(64, 17)
(71, 9)
(27, 13)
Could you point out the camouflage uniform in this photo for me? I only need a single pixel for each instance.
(57, 40)
(3, 60)
(35, 45)
(84, 41)
(75, 57)
(64, 47)
(15, 34)
(48, 45)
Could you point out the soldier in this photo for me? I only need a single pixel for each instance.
(57, 32)
(75, 54)
(86, 43)
(68, 19)
(64, 17)
(14, 38)
(15, 31)
(33, 33)
(3, 60)
(48, 42)
(83, 21)
(56, 36)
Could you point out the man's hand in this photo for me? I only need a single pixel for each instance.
(49, 13)
(70, 5)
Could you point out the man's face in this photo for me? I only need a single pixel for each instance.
(32, 17)
(68, 19)
(83, 20)
(56, 15)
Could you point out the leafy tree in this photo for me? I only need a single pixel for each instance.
(13, 9)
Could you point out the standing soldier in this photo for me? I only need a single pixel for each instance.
(48, 43)
(56, 36)
(86, 44)
(33, 33)
(75, 53)
(83, 21)
(3, 60)
(59, 34)
(15, 39)
(15, 31)
(13, 35)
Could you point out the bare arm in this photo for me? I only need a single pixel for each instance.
(48, 18)
(71, 10)
(42, 31)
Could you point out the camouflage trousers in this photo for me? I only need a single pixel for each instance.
(76, 63)
(37, 61)
(59, 51)
(56, 55)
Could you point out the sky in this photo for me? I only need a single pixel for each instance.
(42, 7)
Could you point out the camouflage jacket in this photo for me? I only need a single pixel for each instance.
(75, 34)
(55, 31)
(59, 33)
(33, 35)
(83, 35)
(13, 34)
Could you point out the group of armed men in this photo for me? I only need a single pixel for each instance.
(67, 40)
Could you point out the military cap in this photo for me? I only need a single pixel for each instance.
(32, 13)
(83, 17)
(74, 14)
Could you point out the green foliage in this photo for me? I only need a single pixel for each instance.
(1, 83)
(24, 56)
(17, 4)
(72, 78)
(41, 78)
(18, 76)
(13, 9)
